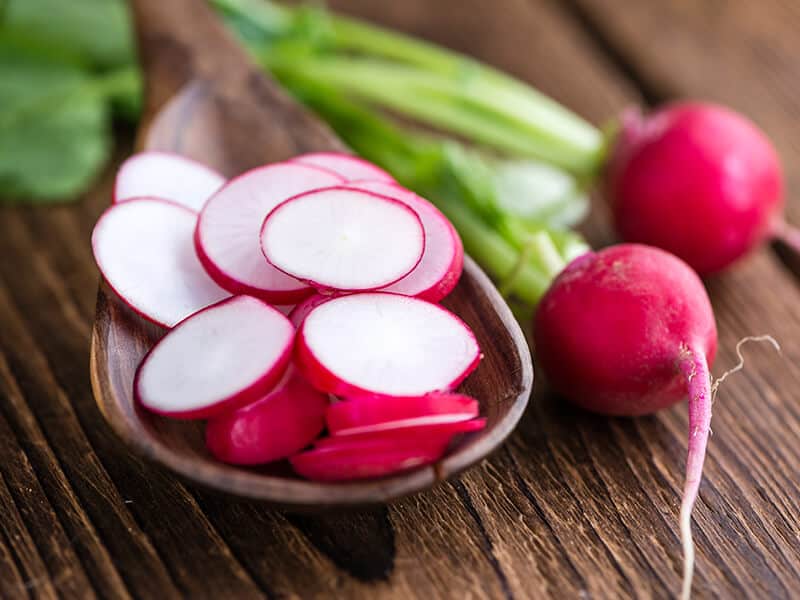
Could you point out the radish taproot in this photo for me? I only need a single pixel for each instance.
(437, 273)
(380, 344)
(628, 331)
(698, 180)
(278, 425)
(343, 239)
(350, 167)
(217, 360)
(226, 238)
(144, 250)
(167, 176)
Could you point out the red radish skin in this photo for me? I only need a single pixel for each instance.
(280, 424)
(369, 415)
(226, 237)
(628, 331)
(143, 247)
(345, 347)
(350, 167)
(167, 176)
(215, 361)
(444, 430)
(300, 311)
(339, 238)
(697, 180)
(442, 262)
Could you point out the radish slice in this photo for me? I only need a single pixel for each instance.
(350, 167)
(343, 239)
(437, 273)
(168, 176)
(343, 463)
(369, 415)
(144, 250)
(221, 358)
(380, 344)
(283, 422)
(227, 231)
(435, 432)
(300, 311)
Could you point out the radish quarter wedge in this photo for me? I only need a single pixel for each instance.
(370, 415)
(227, 234)
(437, 273)
(217, 360)
(168, 176)
(281, 423)
(144, 250)
(350, 167)
(384, 345)
(343, 239)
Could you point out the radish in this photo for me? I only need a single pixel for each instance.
(217, 360)
(370, 415)
(300, 311)
(226, 238)
(343, 239)
(281, 423)
(628, 331)
(698, 180)
(168, 176)
(437, 273)
(401, 434)
(380, 344)
(144, 250)
(350, 167)
(342, 461)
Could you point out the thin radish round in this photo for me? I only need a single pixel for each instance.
(281, 423)
(144, 250)
(168, 176)
(380, 344)
(217, 360)
(369, 415)
(443, 432)
(350, 167)
(343, 462)
(437, 273)
(300, 311)
(343, 239)
(227, 231)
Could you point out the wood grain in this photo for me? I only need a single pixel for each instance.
(573, 506)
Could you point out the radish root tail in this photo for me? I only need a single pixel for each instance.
(740, 365)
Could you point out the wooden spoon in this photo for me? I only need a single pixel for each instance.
(206, 100)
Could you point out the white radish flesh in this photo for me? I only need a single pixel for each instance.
(437, 273)
(217, 360)
(168, 176)
(380, 344)
(343, 239)
(300, 311)
(350, 167)
(227, 235)
(144, 250)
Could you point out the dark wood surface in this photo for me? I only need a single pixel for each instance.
(573, 506)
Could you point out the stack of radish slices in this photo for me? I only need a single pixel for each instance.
(300, 297)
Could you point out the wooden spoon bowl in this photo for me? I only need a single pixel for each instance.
(207, 101)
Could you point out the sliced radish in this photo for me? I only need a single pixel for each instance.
(343, 239)
(342, 462)
(227, 235)
(168, 176)
(283, 422)
(437, 273)
(217, 360)
(380, 344)
(350, 167)
(300, 311)
(431, 432)
(144, 250)
(369, 415)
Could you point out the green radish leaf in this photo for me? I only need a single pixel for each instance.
(53, 126)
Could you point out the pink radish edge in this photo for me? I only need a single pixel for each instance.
(321, 286)
(348, 166)
(246, 395)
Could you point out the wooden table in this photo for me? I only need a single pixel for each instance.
(574, 506)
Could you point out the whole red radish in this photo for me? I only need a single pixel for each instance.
(628, 331)
(697, 180)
